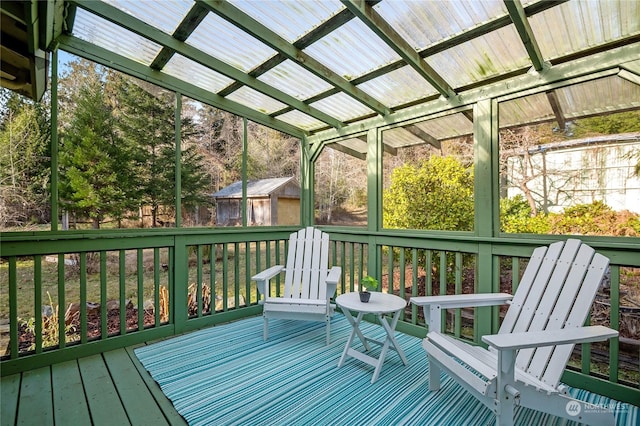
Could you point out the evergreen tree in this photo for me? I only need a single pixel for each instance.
(147, 124)
(95, 172)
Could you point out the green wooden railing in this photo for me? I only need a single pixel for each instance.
(62, 291)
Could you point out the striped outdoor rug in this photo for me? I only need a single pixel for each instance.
(227, 375)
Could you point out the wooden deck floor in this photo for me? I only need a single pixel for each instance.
(112, 388)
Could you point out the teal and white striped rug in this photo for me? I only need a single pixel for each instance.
(227, 375)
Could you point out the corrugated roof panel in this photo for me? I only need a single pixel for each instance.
(301, 120)
(294, 80)
(342, 106)
(577, 25)
(289, 19)
(355, 144)
(524, 110)
(398, 87)
(256, 100)
(188, 70)
(166, 15)
(483, 57)
(598, 96)
(448, 126)
(352, 50)
(399, 137)
(423, 23)
(225, 41)
(107, 35)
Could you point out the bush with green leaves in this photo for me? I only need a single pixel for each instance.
(516, 217)
(436, 195)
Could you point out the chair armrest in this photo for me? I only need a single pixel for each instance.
(332, 280)
(463, 300)
(263, 277)
(534, 339)
(433, 306)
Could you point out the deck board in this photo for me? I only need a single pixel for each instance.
(9, 393)
(69, 406)
(103, 399)
(35, 406)
(112, 388)
(137, 401)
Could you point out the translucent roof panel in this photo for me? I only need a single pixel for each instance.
(102, 33)
(481, 58)
(166, 16)
(289, 19)
(448, 126)
(400, 137)
(577, 25)
(256, 100)
(423, 23)
(597, 96)
(188, 70)
(223, 40)
(532, 108)
(353, 143)
(342, 106)
(400, 86)
(294, 80)
(352, 50)
(302, 120)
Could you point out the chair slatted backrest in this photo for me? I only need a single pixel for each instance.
(307, 265)
(556, 292)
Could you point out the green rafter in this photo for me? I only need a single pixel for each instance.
(519, 18)
(107, 58)
(145, 30)
(382, 29)
(273, 40)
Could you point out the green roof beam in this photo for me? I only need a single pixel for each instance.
(517, 14)
(145, 30)
(382, 29)
(249, 25)
(104, 57)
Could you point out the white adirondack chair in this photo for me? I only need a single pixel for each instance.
(525, 360)
(308, 283)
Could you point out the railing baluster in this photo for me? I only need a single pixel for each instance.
(61, 303)
(458, 290)
(225, 275)
(140, 274)
(198, 280)
(13, 308)
(122, 263)
(156, 287)
(104, 333)
(37, 301)
(83, 297)
(614, 317)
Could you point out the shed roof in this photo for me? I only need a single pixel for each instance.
(255, 188)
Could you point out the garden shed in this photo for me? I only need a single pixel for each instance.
(273, 201)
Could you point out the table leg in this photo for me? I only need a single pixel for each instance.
(355, 330)
(390, 329)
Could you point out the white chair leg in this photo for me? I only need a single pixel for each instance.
(265, 331)
(328, 331)
(434, 375)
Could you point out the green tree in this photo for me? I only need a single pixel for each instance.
(95, 172)
(24, 160)
(437, 195)
(146, 120)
